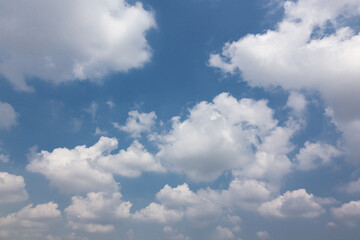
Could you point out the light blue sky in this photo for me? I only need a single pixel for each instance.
(203, 119)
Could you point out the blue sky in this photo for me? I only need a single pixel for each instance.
(178, 120)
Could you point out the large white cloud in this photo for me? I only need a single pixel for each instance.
(8, 116)
(12, 188)
(295, 204)
(227, 134)
(83, 169)
(67, 40)
(30, 221)
(302, 53)
(88, 213)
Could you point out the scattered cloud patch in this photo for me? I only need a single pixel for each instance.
(8, 115)
(137, 123)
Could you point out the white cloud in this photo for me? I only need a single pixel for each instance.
(98, 131)
(295, 204)
(315, 154)
(301, 53)
(69, 40)
(353, 187)
(92, 109)
(4, 157)
(224, 233)
(155, 212)
(8, 116)
(262, 234)
(83, 169)
(172, 234)
(349, 213)
(226, 134)
(85, 213)
(297, 102)
(33, 220)
(12, 188)
(138, 123)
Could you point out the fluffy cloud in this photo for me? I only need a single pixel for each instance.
(67, 40)
(224, 233)
(12, 188)
(227, 134)
(155, 212)
(302, 53)
(29, 219)
(262, 235)
(8, 116)
(353, 187)
(295, 204)
(137, 123)
(205, 205)
(83, 169)
(85, 213)
(349, 213)
(314, 154)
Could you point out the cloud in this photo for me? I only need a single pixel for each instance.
(353, 187)
(224, 233)
(312, 48)
(60, 42)
(8, 116)
(155, 212)
(29, 220)
(83, 169)
(295, 204)
(227, 134)
(262, 235)
(12, 188)
(315, 154)
(86, 213)
(137, 123)
(297, 102)
(349, 213)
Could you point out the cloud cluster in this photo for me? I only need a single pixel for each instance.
(88, 213)
(12, 188)
(313, 47)
(29, 220)
(227, 134)
(82, 169)
(68, 40)
(295, 204)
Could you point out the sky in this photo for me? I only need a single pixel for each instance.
(179, 119)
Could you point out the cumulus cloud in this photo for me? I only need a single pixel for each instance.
(314, 48)
(29, 219)
(155, 212)
(224, 233)
(227, 134)
(83, 169)
(349, 213)
(353, 187)
(206, 205)
(68, 40)
(262, 234)
(12, 188)
(8, 116)
(313, 155)
(295, 204)
(86, 213)
(137, 123)
(297, 102)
